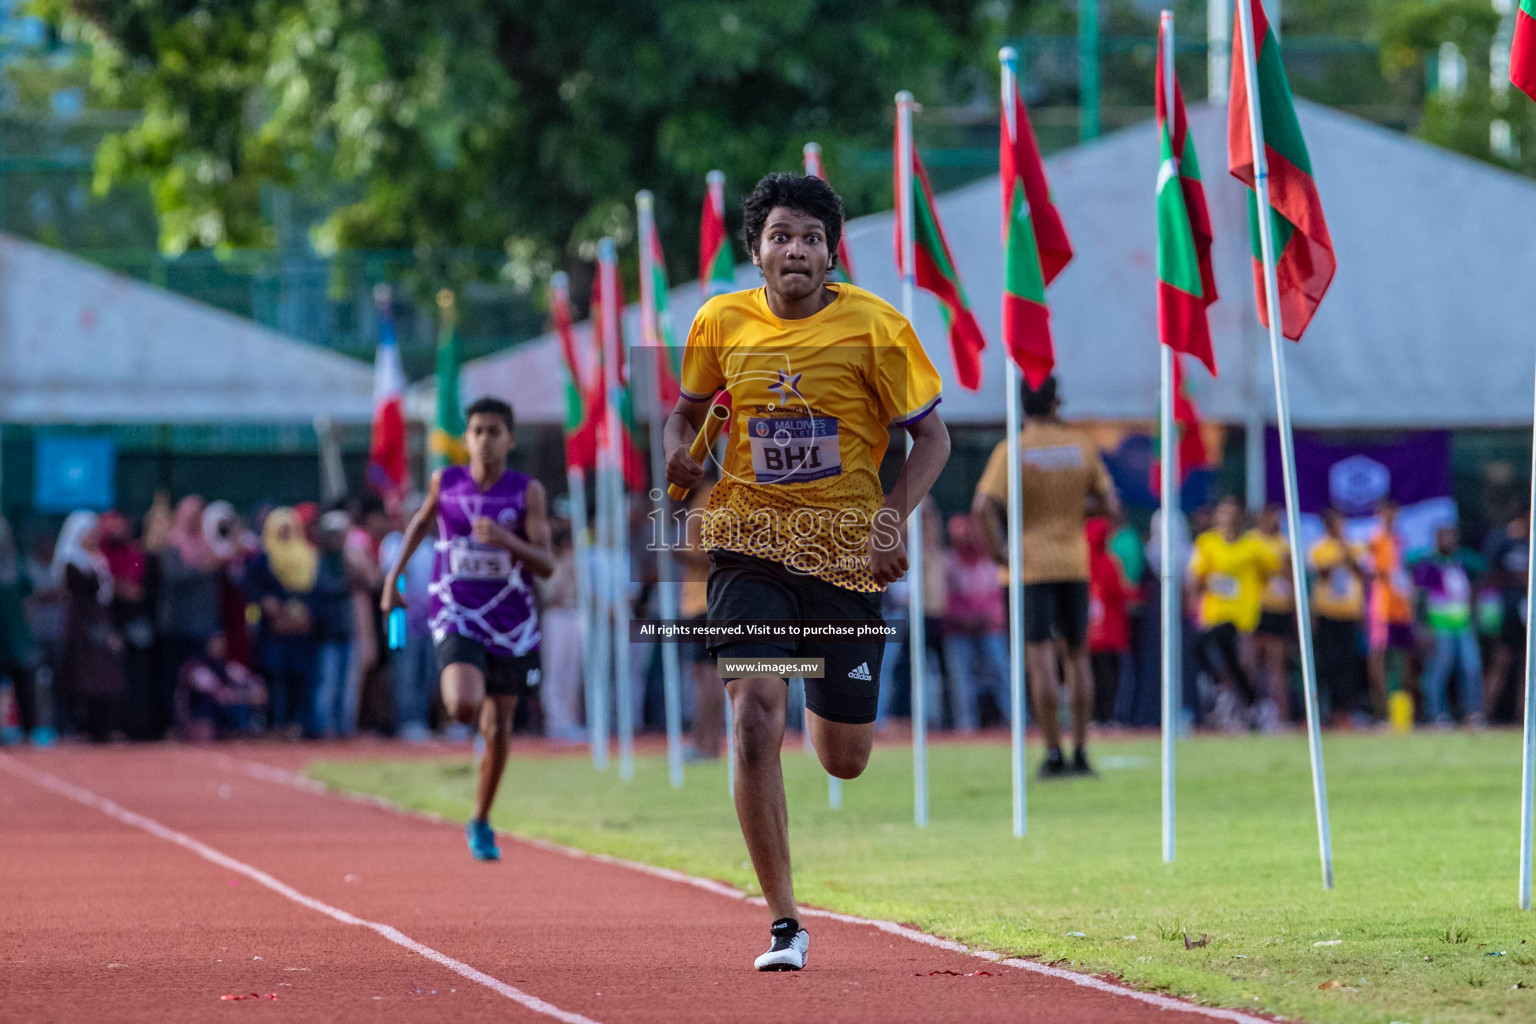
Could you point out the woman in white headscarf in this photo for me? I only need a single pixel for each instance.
(90, 676)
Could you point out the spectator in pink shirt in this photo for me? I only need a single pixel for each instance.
(975, 641)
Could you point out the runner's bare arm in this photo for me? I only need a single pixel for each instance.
(415, 533)
(537, 552)
(682, 427)
(930, 450)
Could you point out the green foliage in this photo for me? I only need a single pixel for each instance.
(512, 125)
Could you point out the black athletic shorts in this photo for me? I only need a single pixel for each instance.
(505, 675)
(1281, 625)
(747, 589)
(1056, 611)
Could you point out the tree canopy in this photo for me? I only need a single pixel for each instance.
(522, 126)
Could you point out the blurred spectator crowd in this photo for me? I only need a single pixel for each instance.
(199, 622)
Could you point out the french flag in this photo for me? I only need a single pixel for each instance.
(387, 472)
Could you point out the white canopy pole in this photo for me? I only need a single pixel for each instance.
(1172, 619)
(1018, 716)
(1287, 448)
(917, 647)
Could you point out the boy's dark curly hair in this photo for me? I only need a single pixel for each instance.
(801, 193)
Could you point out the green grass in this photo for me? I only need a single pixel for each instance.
(1425, 839)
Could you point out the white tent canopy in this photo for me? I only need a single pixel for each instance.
(1430, 322)
(79, 344)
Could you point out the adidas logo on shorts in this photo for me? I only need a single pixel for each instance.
(861, 673)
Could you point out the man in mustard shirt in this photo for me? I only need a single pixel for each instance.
(798, 528)
(1061, 474)
(1228, 571)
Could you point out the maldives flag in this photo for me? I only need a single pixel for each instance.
(1304, 258)
(1186, 283)
(387, 471)
(1186, 421)
(1035, 245)
(634, 461)
(447, 441)
(844, 269)
(717, 267)
(581, 401)
(656, 322)
(1522, 56)
(935, 272)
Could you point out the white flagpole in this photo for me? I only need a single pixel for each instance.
(1528, 758)
(1287, 449)
(917, 646)
(618, 574)
(666, 591)
(1172, 620)
(576, 484)
(602, 608)
(1012, 378)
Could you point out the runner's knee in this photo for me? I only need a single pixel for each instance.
(758, 734)
(459, 709)
(844, 764)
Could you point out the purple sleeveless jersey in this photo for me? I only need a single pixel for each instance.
(480, 591)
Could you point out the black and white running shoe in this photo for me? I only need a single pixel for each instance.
(791, 943)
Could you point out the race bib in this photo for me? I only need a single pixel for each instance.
(794, 449)
(1341, 583)
(479, 563)
(1457, 587)
(1223, 586)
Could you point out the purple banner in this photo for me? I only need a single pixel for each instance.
(1353, 476)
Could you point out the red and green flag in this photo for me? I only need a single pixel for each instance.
(634, 460)
(1186, 282)
(934, 271)
(656, 324)
(1035, 246)
(1186, 423)
(446, 443)
(717, 265)
(583, 402)
(1304, 257)
(1522, 57)
(844, 269)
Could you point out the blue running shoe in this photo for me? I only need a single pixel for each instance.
(482, 840)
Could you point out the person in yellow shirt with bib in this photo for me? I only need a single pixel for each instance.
(798, 527)
(1228, 571)
(1338, 608)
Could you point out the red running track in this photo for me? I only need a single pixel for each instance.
(144, 884)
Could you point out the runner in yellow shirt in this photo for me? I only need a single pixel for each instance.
(1228, 571)
(799, 527)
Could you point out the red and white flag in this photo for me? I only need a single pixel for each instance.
(387, 470)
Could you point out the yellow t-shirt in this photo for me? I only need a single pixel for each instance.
(1061, 467)
(1338, 592)
(1232, 575)
(812, 405)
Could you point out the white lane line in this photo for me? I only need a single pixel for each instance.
(281, 776)
(121, 814)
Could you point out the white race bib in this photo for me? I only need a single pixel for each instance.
(1457, 586)
(1223, 586)
(476, 563)
(794, 449)
(1341, 583)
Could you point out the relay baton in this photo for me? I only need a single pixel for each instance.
(397, 620)
(719, 413)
